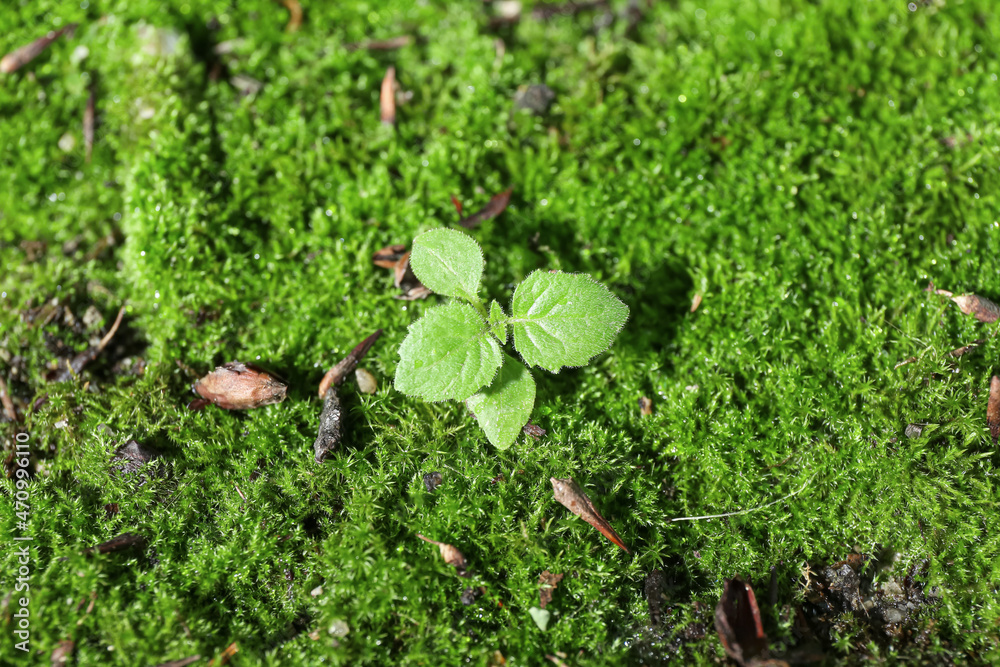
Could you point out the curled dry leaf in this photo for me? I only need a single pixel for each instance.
(993, 409)
(387, 97)
(388, 256)
(414, 293)
(239, 386)
(73, 367)
(450, 554)
(402, 271)
(576, 501)
(494, 208)
(737, 620)
(338, 373)
(654, 586)
(546, 584)
(24, 55)
(645, 406)
(972, 304)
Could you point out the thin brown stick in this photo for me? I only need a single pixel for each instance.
(344, 367)
(8, 405)
(24, 55)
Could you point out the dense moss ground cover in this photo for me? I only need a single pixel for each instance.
(806, 167)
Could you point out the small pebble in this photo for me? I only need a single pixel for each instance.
(366, 381)
(67, 142)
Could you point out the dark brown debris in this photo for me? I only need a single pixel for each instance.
(62, 653)
(180, 663)
(993, 409)
(576, 501)
(494, 208)
(24, 55)
(123, 542)
(547, 582)
(70, 368)
(387, 97)
(470, 594)
(432, 480)
(534, 430)
(132, 456)
(240, 386)
(654, 586)
(338, 373)
(388, 256)
(737, 620)
(645, 406)
(330, 427)
(450, 554)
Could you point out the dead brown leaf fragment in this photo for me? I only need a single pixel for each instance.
(24, 55)
(121, 543)
(387, 97)
(737, 620)
(240, 386)
(576, 501)
(414, 293)
(965, 349)
(450, 554)
(294, 15)
(343, 368)
(546, 584)
(402, 272)
(72, 367)
(993, 409)
(62, 653)
(908, 360)
(982, 308)
(495, 207)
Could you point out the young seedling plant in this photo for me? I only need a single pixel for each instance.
(456, 351)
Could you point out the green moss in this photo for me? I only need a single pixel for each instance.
(806, 169)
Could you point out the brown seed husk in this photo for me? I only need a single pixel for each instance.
(387, 97)
(239, 386)
(495, 207)
(993, 409)
(388, 256)
(450, 554)
(737, 620)
(547, 582)
(576, 501)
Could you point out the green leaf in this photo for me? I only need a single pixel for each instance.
(447, 354)
(540, 617)
(448, 262)
(564, 319)
(503, 408)
(498, 322)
